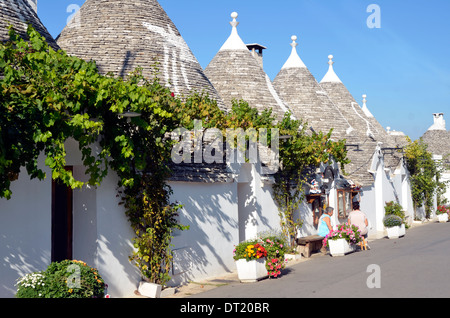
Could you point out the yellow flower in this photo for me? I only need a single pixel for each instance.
(70, 290)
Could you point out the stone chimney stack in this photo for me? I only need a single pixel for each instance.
(439, 122)
(257, 52)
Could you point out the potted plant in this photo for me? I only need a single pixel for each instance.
(394, 226)
(250, 257)
(442, 213)
(342, 240)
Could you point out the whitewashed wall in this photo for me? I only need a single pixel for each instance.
(101, 233)
(206, 249)
(25, 230)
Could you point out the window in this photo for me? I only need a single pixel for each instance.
(344, 205)
(345, 199)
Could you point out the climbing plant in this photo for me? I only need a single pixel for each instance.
(424, 174)
(300, 154)
(48, 97)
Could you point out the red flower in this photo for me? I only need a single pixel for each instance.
(172, 94)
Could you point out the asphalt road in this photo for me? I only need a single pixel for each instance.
(416, 265)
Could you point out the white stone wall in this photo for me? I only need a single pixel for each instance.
(25, 230)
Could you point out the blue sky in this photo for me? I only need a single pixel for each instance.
(403, 66)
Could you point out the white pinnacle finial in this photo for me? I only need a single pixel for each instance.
(234, 42)
(330, 60)
(294, 60)
(331, 76)
(234, 16)
(294, 38)
(364, 108)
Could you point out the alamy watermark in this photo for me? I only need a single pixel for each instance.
(374, 279)
(374, 19)
(74, 279)
(73, 20)
(237, 146)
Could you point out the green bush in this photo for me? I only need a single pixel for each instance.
(392, 220)
(394, 208)
(66, 279)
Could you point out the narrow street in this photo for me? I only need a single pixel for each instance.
(416, 265)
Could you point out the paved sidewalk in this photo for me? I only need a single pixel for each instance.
(194, 288)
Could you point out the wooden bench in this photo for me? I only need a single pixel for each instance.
(309, 244)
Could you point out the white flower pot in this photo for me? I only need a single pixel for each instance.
(396, 231)
(151, 290)
(251, 271)
(443, 217)
(340, 247)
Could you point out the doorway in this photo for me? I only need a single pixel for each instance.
(62, 220)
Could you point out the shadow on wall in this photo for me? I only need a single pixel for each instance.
(25, 231)
(114, 241)
(210, 209)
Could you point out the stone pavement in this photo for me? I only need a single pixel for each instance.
(193, 288)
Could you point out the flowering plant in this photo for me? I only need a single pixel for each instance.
(249, 250)
(345, 231)
(31, 285)
(272, 248)
(276, 249)
(441, 209)
(274, 266)
(65, 279)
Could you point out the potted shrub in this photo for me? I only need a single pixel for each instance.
(250, 257)
(65, 279)
(342, 240)
(394, 226)
(442, 213)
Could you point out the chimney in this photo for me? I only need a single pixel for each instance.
(257, 52)
(439, 122)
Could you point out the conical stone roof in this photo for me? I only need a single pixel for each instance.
(361, 119)
(371, 132)
(300, 90)
(437, 137)
(19, 14)
(123, 35)
(236, 74)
